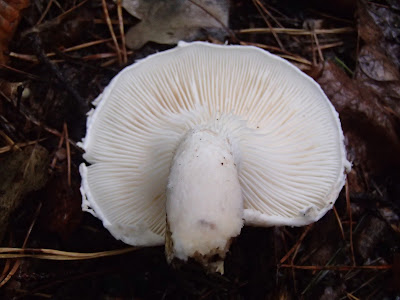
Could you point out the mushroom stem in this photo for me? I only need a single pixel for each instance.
(204, 199)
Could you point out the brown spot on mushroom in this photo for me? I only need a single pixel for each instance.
(207, 224)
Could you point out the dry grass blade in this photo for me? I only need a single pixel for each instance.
(52, 254)
(365, 283)
(315, 37)
(122, 31)
(330, 45)
(339, 222)
(288, 55)
(6, 137)
(32, 58)
(14, 269)
(18, 145)
(260, 7)
(45, 12)
(110, 27)
(29, 75)
(6, 268)
(337, 268)
(293, 249)
(350, 296)
(68, 154)
(71, 9)
(296, 31)
(85, 45)
(102, 56)
(296, 59)
(26, 57)
(348, 204)
(11, 273)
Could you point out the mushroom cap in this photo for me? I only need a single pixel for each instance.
(292, 160)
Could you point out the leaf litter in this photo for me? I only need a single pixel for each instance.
(64, 53)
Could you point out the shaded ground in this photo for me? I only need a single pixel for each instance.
(47, 86)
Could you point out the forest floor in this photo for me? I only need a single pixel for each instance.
(58, 56)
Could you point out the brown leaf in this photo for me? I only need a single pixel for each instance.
(10, 14)
(21, 172)
(379, 57)
(167, 22)
(369, 126)
(376, 65)
(379, 26)
(368, 104)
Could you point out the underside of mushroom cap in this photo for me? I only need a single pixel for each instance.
(292, 155)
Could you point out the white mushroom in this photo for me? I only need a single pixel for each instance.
(213, 137)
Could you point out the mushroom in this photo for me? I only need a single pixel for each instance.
(188, 145)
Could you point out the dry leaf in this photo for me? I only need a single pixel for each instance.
(21, 172)
(167, 22)
(10, 14)
(379, 26)
(369, 127)
(379, 59)
(368, 104)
